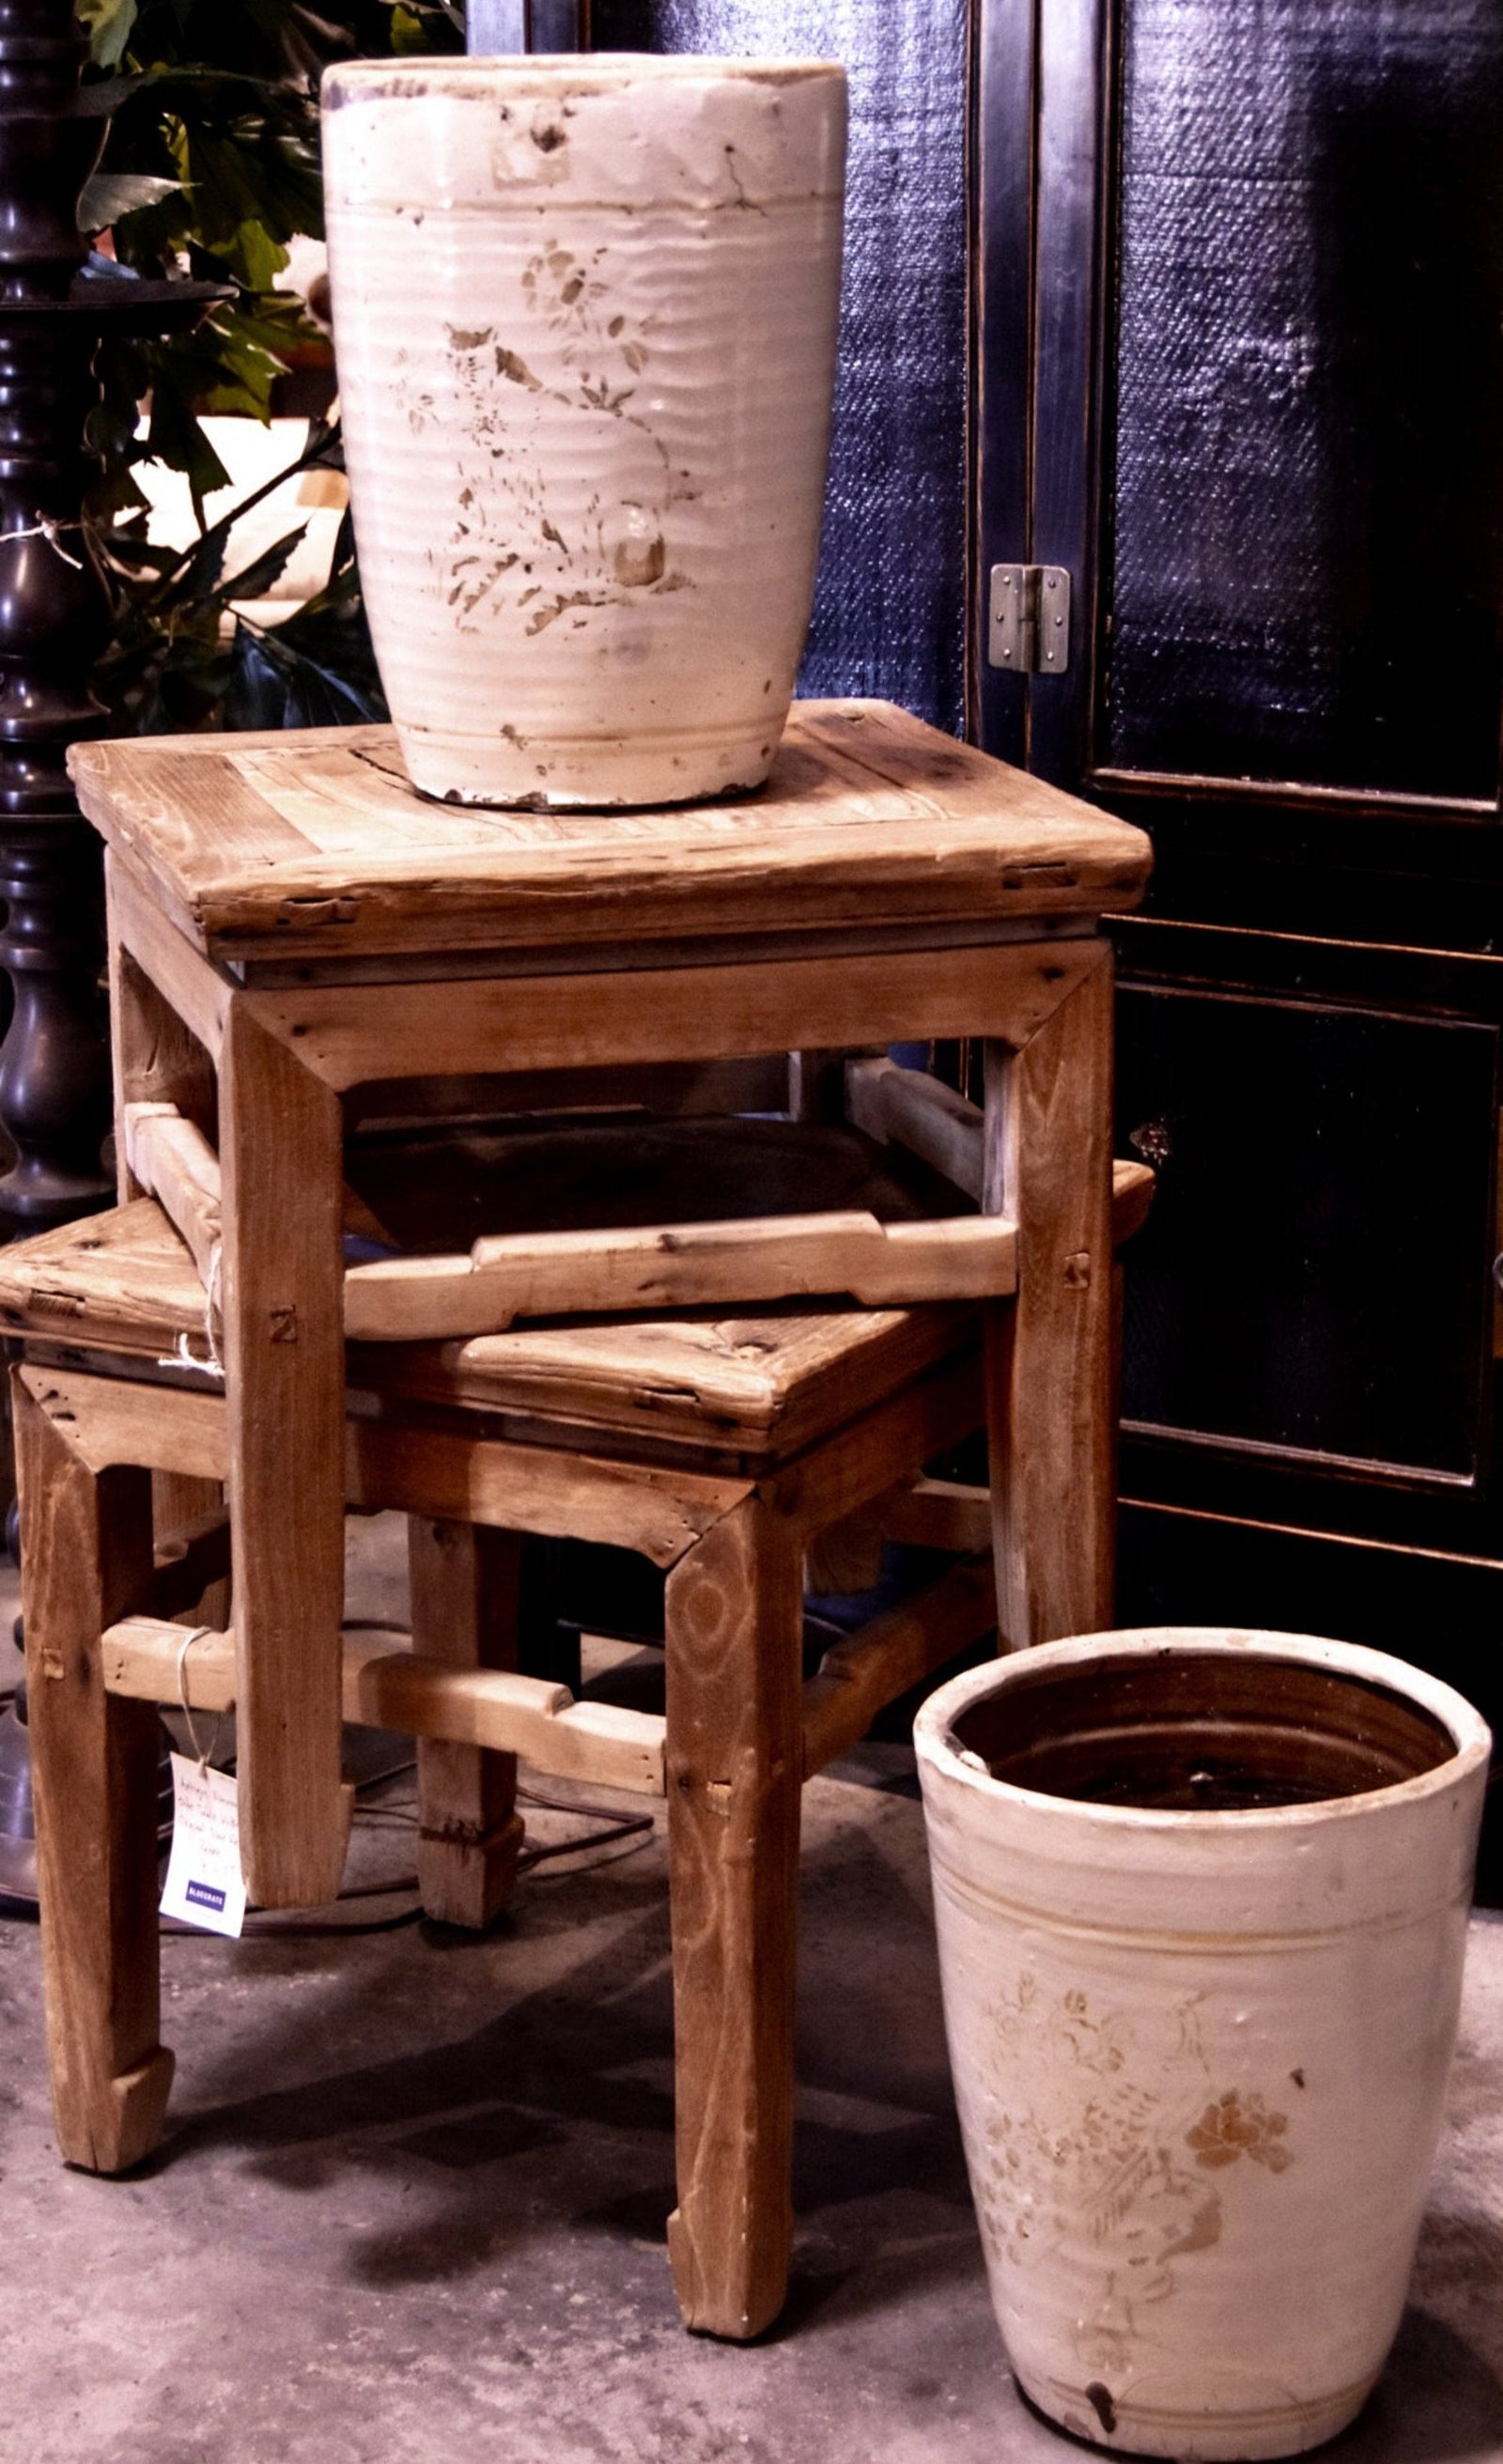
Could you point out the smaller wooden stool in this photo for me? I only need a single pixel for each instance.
(720, 1449)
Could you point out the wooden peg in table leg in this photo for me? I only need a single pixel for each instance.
(466, 1580)
(734, 1773)
(86, 1542)
(284, 1359)
(1047, 1166)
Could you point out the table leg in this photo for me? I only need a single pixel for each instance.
(156, 1059)
(87, 1546)
(1047, 1164)
(284, 1359)
(735, 1777)
(465, 1584)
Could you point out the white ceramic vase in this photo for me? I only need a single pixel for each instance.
(585, 316)
(1200, 2055)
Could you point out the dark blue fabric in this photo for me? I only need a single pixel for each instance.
(1309, 393)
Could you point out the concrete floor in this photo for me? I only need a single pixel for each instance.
(411, 2209)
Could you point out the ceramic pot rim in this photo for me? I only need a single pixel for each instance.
(552, 73)
(934, 1730)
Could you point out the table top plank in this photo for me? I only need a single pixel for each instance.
(313, 843)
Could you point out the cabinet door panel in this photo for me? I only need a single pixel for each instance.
(1306, 394)
(1313, 1277)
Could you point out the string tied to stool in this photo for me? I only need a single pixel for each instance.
(182, 1355)
(205, 1754)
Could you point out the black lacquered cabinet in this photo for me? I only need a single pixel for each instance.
(1263, 265)
(1200, 304)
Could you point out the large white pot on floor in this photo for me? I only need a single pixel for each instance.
(1201, 1902)
(584, 314)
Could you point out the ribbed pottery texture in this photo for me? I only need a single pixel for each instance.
(585, 315)
(1201, 2060)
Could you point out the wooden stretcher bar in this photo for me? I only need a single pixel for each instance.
(910, 1108)
(386, 1688)
(394, 1688)
(682, 1265)
(687, 1266)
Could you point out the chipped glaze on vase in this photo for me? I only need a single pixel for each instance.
(584, 318)
(1201, 2060)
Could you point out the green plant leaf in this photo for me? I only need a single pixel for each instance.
(256, 579)
(409, 32)
(211, 157)
(110, 194)
(108, 24)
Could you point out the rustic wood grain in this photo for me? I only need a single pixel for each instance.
(845, 1558)
(170, 1159)
(657, 1508)
(749, 1382)
(283, 1282)
(922, 1113)
(465, 1579)
(321, 846)
(842, 1475)
(683, 1265)
(735, 1775)
(197, 995)
(1050, 1398)
(117, 1420)
(124, 1272)
(348, 1033)
(454, 1476)
(86, 1541)
(387, 1686)
(154, 1057)
(752, 1384)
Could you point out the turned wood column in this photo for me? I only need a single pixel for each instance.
(54, 1102)
(54, 1079)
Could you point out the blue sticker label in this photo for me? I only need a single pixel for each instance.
(203, 1896)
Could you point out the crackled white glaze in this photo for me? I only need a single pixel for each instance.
(585, 313)
(1199, 2060)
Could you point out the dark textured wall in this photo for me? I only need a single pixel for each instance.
(1309, 488)
(890, 611)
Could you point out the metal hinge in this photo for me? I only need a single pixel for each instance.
(1029, 629)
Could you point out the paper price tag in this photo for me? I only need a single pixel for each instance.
(204, 1885)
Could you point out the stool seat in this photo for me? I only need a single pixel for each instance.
(753, 1387)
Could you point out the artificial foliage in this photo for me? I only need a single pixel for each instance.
(210, 168)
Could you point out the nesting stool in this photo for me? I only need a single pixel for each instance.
(718, 1448)
(293, 930)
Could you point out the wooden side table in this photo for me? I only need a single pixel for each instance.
(290, 922)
